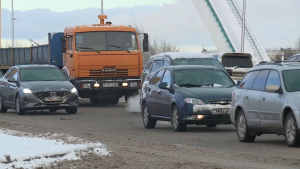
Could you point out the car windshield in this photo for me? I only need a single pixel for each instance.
(202, 78)
(291, 80)
(198, 61)
(106, 41)
(240, 61)
(41, 74)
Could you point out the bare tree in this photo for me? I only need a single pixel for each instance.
(155, 46)
(298, 44)
(17, 43)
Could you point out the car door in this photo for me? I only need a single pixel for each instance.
(4, 87)
(152, 90)
(12, 87)
(271, 105)
(156, 65)
(251, 99)
(164, 96)
(147, 70)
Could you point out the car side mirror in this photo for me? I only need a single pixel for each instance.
(71, 78)
(145, 43)
(229, 71)
(238, 83)
(164, 85)
(13, 80)
(272, 88)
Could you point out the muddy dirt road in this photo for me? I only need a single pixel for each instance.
(133, 146)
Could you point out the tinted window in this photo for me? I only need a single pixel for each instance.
(148, 67)
(156, 79)
(248, 80)
(202, 77)
(293, 58)
(274, 78)
(167, 77)
(157, 65)
(8, 73)
(291, 80)
(41, 74)
(232, 61)
(260, 81)
(198, 61)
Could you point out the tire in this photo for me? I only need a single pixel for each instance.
(211, 125)
(18, 106)
(94, 100)
(292, 136)
(72, 110)
(104, 102)
(2, 108)
(177, 124)
(114, 101)
(148, 122)
(242, 128)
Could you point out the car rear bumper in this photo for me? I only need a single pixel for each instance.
(30, 102)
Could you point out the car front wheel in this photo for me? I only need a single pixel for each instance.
(177, 124)
(242, 129)
(148, 122)
(292, 136)
(2, 108)
(18, 106)
(72, 110)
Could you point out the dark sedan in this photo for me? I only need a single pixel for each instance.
(37, 87)
(185, 95)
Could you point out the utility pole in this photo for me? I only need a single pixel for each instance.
(12, 24)
(102, 7)
(243, 26)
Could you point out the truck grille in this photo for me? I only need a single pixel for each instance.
(43, 95)
(108, 72)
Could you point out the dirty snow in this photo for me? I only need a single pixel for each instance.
(210, 107)
(188, 55)
(27, 150)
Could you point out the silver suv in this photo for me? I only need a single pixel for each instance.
(267, 101)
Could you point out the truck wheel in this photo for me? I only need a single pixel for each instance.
(94, 100)
(114, 101)
(104, 102)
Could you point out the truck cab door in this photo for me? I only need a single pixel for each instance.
(68, 56)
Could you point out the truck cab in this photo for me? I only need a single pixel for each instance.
(105, 60)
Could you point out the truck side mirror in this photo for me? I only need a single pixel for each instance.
(63, 40)
(145, 43)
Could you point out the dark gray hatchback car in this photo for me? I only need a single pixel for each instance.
(37, 87)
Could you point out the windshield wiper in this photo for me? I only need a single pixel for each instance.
(189, 85)
(89, 49)
(119, 48)
(241, 66)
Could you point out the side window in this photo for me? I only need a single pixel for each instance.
(166, 63)
(248, 80)
(298, 57)
(8, 73)
(156, 79)
(148, 67)
(167, 77)
(260, 81)
(293, 58)
(13, 74)
(157, 65)
(70, 43)
(274, 78)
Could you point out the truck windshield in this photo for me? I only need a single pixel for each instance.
(199, 61)
(240, 61)
(41, 74)
(106, 41)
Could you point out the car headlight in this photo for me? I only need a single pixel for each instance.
(27, 91)
(193, 101)
(74, 90)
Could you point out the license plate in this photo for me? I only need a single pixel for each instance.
(220, 111)
(110, 85)
(53, 99)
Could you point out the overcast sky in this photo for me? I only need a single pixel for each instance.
(276, 22)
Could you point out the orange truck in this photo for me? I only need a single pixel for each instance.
(103, 61)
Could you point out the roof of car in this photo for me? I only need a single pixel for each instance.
(181, 67)
(36, 65)
(278, 65)
(178, 55)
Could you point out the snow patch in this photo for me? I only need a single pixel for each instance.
(210, 107)
(180, 55)
(27, 150)
(133, 104)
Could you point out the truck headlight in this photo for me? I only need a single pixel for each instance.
(27, 91)
(193, 101)
(74, 90)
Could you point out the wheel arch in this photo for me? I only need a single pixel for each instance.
(286, 111)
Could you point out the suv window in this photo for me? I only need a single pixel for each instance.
(293, 58)
(248, 80)
(167, 77)
(274, 78)
(157, 65)
(148, 67)
(8, 73)
(260, 81)
(156, 78)
(166, 63)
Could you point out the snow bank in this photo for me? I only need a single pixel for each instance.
(24, 150)
(210, 107)
(188, 55)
